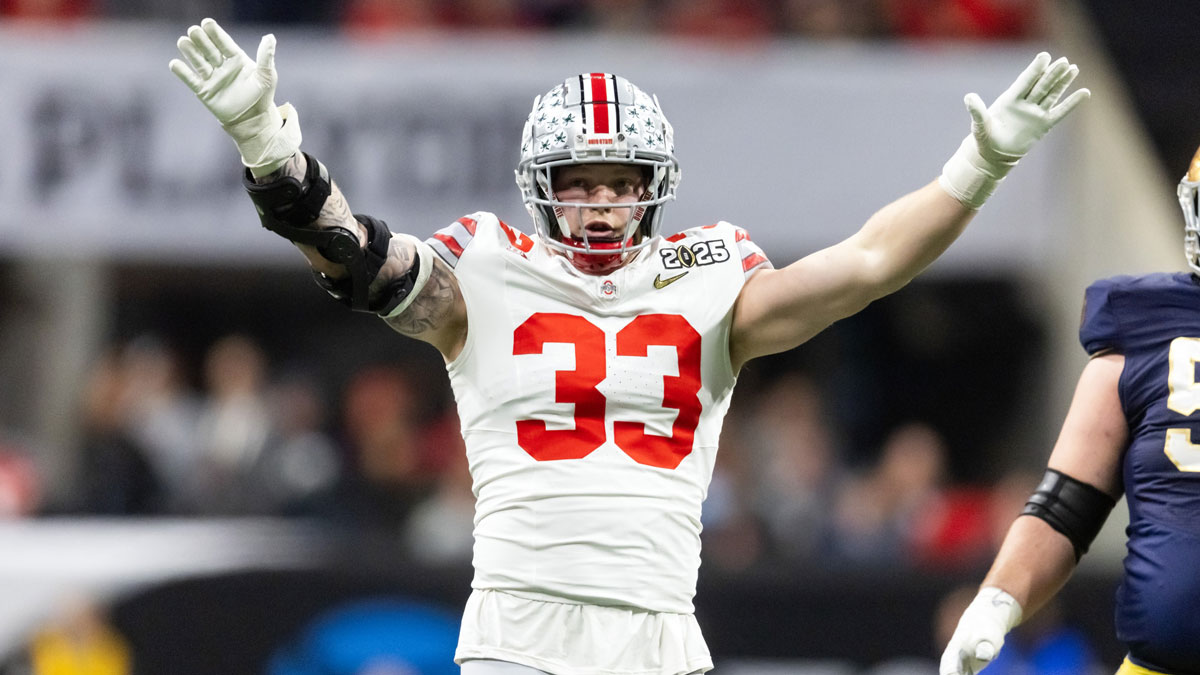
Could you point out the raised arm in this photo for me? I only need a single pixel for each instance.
(780, 309)
(356, 258)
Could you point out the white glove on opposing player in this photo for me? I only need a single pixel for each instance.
(980, 632)
(1002, 133)
(240, 93)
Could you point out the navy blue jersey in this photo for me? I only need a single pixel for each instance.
(1154, 321)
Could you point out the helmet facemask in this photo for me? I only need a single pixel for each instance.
(1189, 201)
(591, 119)
(586, 253)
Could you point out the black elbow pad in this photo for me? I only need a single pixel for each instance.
(287, 206)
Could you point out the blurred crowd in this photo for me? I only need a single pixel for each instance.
(786, 489)
(230, 436)
(700, 19)
(235, 438)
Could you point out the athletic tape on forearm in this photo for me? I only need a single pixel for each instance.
(970, 178)
(426, 256)
(267, 140)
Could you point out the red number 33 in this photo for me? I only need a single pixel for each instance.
(579, 387)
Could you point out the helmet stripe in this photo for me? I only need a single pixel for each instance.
(600, 123)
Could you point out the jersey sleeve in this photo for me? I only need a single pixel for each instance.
(1099, 328)
(752, 256)
(450, 241)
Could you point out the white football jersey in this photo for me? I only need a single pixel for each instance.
(591, 408)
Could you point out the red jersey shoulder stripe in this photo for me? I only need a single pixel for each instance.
(450, 241)
(754, 260)
(451, 245)
(751, 254)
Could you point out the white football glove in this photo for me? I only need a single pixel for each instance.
(1002, 133)
(240, 93)
(980, 632)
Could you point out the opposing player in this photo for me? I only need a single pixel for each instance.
(1131, 428)
(593, 362)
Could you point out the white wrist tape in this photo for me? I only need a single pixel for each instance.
(267, 140)
(970, 178)
(999, 604)
(427, 258)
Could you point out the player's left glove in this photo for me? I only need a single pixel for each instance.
(1002, 133)
(980, 632)
(240, 93)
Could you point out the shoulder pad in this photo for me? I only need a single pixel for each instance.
(1122, 313)
(1099, 326)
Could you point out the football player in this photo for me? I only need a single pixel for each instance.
(592, 363)
(1130, 430)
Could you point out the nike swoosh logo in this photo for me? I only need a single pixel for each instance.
(660, 282)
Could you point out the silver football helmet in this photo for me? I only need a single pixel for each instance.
(1189, 201)
(590, 118)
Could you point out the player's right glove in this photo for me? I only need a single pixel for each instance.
(1003, 132)
(980, 632)
(240, 93)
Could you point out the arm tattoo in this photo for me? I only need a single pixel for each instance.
(295, 167)
(431, 310)
(335, 211)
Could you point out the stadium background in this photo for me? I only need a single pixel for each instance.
(201, 457)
